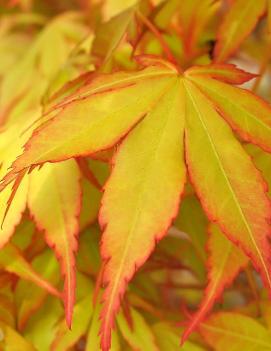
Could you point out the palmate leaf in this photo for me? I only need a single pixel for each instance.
(224, 263)
(155, 110)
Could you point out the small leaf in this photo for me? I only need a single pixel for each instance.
(237, 24)
(109, 34)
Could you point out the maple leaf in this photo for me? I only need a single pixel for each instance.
(59, 184)
(224, 263)
(152, 111)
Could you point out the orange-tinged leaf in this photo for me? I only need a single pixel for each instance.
(54, 201)
(227, 193)
(248, 115)
(233, 331)
(149, 171)
(227, 73)
(12, 260)
(224, 262)
(237, 24)
(100, 123)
